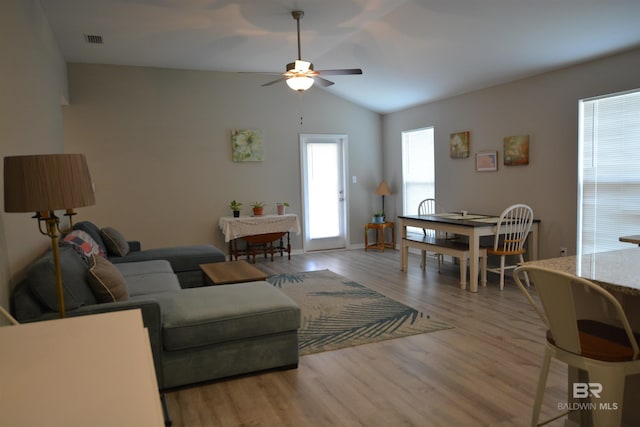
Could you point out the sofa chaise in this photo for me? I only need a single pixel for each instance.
(196, 334)
(184, 260)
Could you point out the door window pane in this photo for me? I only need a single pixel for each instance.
(324, 208)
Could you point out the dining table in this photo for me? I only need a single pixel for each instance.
(618, 271)
(635, 239)
(471, 225)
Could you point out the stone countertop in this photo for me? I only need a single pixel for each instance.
(617, 271)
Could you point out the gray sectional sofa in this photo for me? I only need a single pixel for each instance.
(184, 260)
(197, 333)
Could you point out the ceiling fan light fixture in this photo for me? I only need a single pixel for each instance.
(300, 83)
(302, 66)
(300, 74)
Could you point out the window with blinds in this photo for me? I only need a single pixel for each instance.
(418, 168)
(609, 171)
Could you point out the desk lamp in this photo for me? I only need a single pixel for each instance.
(43, 184)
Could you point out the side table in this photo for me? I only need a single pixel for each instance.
(380, 235)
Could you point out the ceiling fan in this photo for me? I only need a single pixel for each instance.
(300, 74)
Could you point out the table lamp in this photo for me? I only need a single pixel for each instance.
(383, 190)
(43, 184)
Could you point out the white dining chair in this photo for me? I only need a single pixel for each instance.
(429, 207)
(587, 329)
(511, 234)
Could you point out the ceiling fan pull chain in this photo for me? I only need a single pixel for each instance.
(300, 105)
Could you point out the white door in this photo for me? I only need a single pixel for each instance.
(323, 191)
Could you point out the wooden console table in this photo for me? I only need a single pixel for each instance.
(259, 234)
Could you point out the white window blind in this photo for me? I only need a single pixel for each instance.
(609, 171)
(418, 168)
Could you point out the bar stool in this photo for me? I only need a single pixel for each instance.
(573, 309)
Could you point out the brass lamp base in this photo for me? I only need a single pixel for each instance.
(52, 223)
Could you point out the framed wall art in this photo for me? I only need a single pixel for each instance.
(516, 150)
(459, 145)
(487, 161)
(246, 145)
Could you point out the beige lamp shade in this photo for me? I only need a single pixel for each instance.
(383, 189)
(46, 182)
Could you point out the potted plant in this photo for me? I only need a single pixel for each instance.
(282, 207)
(378, 218)
(258, 208)
(235, 207)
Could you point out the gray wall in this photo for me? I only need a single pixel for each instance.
(157, 142)
(158, 146)
(546, 108)
(32, 87)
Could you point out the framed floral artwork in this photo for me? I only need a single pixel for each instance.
(516, 150)
(246, 145)
(487, 161)
(459, 145)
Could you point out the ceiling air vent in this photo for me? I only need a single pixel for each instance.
(93, 39)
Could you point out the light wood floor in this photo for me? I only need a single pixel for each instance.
(483, 372)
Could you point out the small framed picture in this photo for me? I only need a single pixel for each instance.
(459, 145)
(246, 145)
(487, 161)
(516, 150)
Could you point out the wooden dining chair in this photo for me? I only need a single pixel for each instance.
(511, 234)
(587, 329)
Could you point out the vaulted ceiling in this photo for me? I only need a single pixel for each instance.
(411, 51)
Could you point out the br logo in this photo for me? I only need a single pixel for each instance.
(584, 390)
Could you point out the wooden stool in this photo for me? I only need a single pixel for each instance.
(380, 241)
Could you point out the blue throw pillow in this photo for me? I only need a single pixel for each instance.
(42, 280)
(114, 241)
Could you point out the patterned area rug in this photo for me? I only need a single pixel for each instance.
(338, 312)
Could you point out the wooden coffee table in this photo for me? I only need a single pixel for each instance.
(224, 273)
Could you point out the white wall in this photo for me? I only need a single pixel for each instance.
(158, 146)
(546, 108)
(32, 84)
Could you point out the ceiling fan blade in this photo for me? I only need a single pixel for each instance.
(340, 72)
(265, 73)
(322, 82)
(281, 79)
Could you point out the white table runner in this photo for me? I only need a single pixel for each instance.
(233, 228)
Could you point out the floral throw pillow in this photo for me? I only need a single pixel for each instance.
(83, 243)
